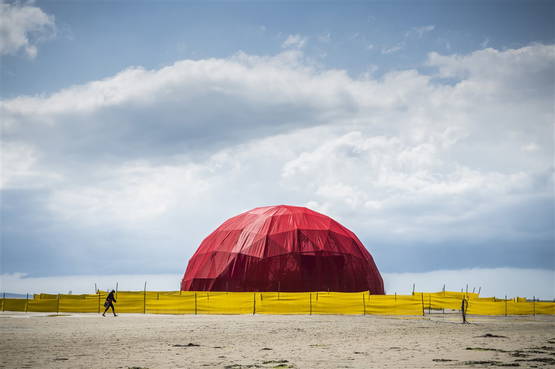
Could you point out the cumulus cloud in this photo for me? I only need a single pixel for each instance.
(22, 26)
(294, 41)
(144, 164)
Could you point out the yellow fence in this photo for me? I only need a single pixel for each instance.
(359, 303)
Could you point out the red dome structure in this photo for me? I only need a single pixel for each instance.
(282, 248)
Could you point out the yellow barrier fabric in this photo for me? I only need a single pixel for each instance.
(445, 302)
(337, 303)
(286, 302)
(43, 305)
(14, 305)
(171, 304)
(225, 303)
(81, 303)
(394, 305)
(544, 308)
(359, 303)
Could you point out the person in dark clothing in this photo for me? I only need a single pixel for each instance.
(110, 303)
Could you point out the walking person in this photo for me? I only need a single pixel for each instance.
(110, 303)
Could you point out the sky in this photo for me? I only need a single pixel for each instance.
(131, 130)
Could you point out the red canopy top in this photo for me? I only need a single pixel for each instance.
(286, 248)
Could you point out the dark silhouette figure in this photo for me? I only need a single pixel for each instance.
(110, 303)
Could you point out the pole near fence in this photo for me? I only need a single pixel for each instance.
(3, 299)
(27, 303)
(58, 306)
(144, 300)
(429, 304)
(505, 305)
(423, 311)
(479, 290)
(363, 302)
(98, 293)
(195, 303)
(253, 303)
(464, 305)
(413, 287)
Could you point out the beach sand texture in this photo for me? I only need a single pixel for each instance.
(273, 341)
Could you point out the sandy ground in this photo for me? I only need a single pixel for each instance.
(270, 341)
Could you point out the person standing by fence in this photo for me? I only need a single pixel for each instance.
(110, 303)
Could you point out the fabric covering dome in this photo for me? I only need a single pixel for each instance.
(282, 248)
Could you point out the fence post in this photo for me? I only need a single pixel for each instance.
(98, 293)
(195, 303)
(253, 303)
(144, 300)
(58, 306)
(505, 305)
(27, 303)
(364, 302)
(429, 304)
(422, 296)
(534, 305)
(3, 299)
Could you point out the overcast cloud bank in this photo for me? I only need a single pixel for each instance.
(493, 282)
(128, 174)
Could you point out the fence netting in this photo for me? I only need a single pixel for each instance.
(357, 303)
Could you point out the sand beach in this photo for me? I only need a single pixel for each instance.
(43, 340)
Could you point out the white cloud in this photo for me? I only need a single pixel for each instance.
(420, 31)
(22, 26)
(294, 41)
(530, 147)
(392, 49)
(166, 155)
